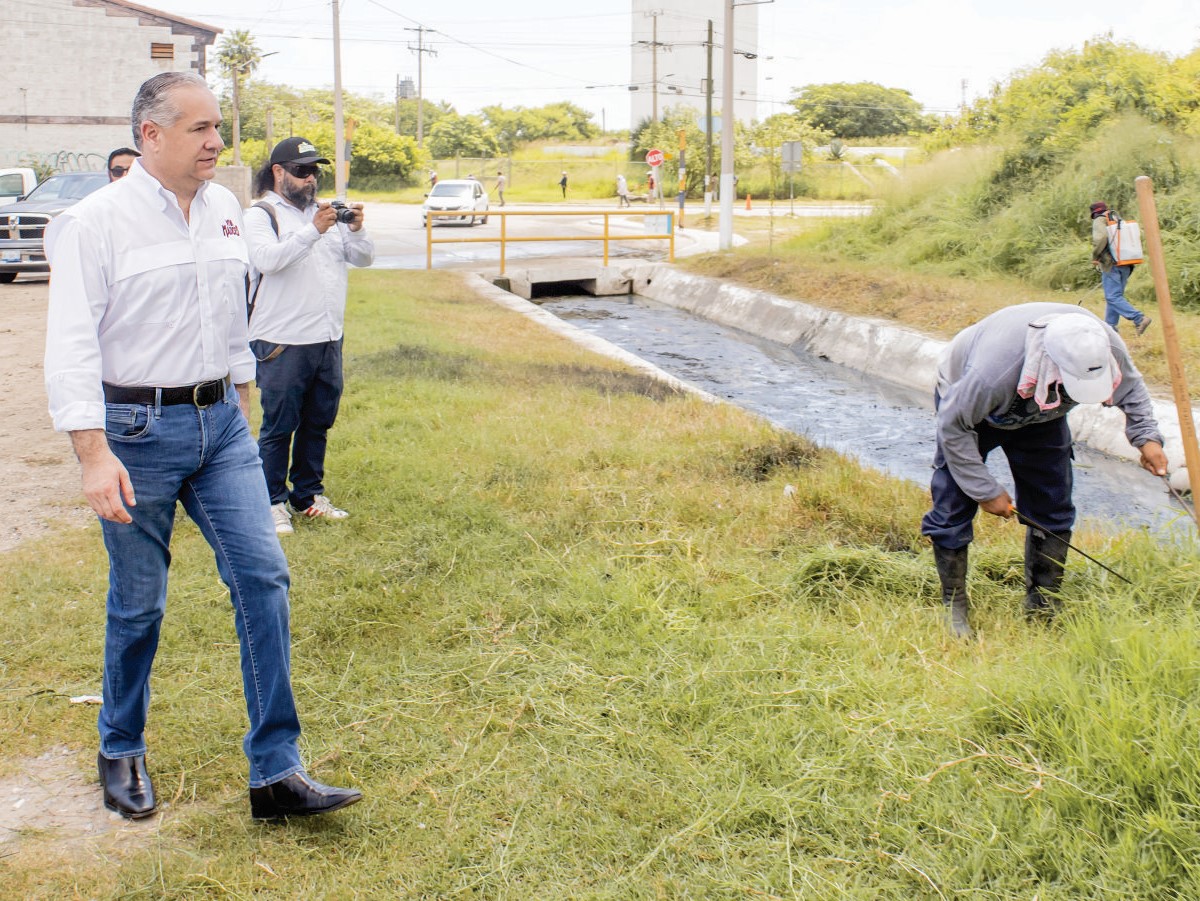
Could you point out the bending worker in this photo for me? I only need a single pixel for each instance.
(1008, 382)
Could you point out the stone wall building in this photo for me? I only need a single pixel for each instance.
(74, 67)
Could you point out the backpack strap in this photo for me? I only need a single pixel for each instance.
(252, 296)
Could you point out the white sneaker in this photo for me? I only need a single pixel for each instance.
(321, 507)
(283, 519)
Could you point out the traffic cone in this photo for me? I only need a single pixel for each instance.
(747, 201)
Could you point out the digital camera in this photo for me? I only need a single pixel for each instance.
(344, 213)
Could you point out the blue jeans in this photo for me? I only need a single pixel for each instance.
(1115, 304)
(1039, 456)
(207, 460)
(300, 390)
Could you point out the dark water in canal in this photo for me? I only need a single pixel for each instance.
(884, 426)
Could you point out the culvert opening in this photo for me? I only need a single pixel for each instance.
(568, 288)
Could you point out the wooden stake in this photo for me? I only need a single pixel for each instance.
(1148, 211)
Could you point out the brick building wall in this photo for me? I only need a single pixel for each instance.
(74, 67)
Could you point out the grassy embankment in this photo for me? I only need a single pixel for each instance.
(962, 235)
(578, 642)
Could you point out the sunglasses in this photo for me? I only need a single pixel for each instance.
(118, 171)
(301, 171)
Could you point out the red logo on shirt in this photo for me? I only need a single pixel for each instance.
(229, 228)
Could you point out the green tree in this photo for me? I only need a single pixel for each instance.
(555, 121)
(770, 134)
(861, 109)
(238, 56)
(454, 135)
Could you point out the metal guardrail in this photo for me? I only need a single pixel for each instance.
(504, 240)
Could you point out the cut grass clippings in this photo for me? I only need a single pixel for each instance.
(584, 637)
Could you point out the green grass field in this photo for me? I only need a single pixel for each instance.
(577, 641)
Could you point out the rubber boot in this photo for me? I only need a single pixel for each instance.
(952, 571)
(1045, 556)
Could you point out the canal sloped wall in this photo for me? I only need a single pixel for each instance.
(879, 348)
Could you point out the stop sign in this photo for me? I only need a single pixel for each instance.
(654, 157)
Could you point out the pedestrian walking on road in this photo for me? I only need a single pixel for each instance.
(622, 191)
(501, 182)
(562, 183)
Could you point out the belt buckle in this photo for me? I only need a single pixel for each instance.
(196, 395)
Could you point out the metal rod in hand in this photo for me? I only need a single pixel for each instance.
(1158, 268)
(1025, 520)
(1179, 497)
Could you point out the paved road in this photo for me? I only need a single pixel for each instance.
(400, 237)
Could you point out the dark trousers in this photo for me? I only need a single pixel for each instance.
(1039, 456)
(300, 389)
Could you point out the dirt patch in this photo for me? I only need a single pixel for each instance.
(36, 463)
(56, 799)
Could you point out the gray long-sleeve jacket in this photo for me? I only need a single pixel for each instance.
(977, 382)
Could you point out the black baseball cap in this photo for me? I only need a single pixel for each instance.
(296, 150)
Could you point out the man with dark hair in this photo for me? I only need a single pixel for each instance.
(120, 161)
(147, 369)
(1113, 276)
(302, 249)
(1008, 382)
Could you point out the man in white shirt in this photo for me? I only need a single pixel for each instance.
(302, 249)
(147, 369)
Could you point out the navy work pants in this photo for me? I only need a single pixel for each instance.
(301, 388)
(1039, 456)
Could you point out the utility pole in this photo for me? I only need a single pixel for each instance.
(725, 241)
(708, 124)
(421, 50)
(397, 103)
(654, 62)
(653, 44)
(339, 151)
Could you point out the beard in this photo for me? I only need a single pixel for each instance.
(299, 194)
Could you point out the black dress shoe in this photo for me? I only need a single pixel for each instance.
(299, 796)
(127, 786)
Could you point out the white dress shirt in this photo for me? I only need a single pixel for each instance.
(302, 298)
(140, 296)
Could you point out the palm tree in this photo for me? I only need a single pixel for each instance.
(238, 55)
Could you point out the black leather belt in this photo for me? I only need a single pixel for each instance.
(202, 395)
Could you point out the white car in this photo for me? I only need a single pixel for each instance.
(456, 194)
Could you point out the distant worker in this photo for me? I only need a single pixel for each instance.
(1009, 382)
(650, 186)
(120, 161)
(501, 182)
(1113, 276)
(432, 178)
(622, 191)
(302, 247)
(562, 183)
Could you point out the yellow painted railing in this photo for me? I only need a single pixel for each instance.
(505, 239)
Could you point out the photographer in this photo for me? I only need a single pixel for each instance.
(301, 248)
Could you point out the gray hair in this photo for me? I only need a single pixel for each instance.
(154, 102)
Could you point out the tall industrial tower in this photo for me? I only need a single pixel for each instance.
(670, 58)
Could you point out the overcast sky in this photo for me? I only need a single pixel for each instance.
(532, 52)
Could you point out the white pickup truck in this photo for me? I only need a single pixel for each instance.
(15, 184)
